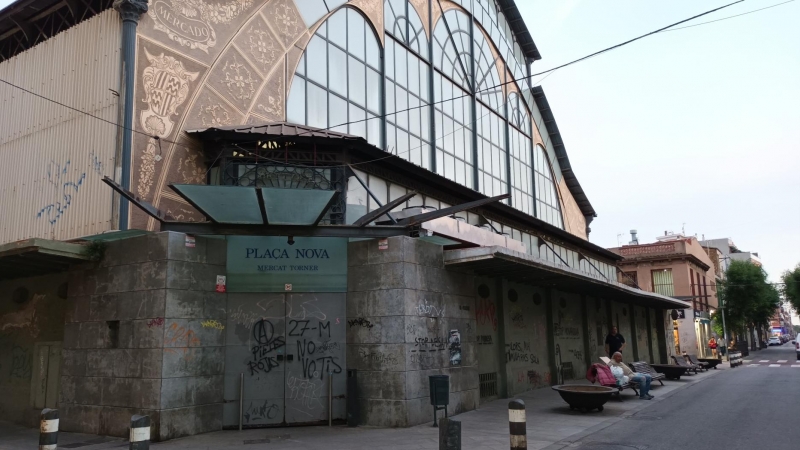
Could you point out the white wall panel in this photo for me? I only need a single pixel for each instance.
(53, 159)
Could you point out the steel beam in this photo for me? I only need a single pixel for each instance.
(148, 208)
(420, 218)
(346, 231)
(370, 217)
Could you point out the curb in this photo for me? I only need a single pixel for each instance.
(577, 437)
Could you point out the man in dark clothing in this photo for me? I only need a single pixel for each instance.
(614, 342)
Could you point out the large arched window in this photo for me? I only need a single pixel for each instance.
(547, 205)
(519, 144)
(452, 83)
(408, 133)
(338, 80)
(490, 126)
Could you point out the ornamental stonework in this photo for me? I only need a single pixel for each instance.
(191, 23)
(284, 18)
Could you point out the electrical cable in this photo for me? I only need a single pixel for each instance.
(730, 17)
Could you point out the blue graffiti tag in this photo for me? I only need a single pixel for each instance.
(95, 163)
(65, 190)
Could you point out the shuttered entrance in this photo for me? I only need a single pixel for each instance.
(283, 349)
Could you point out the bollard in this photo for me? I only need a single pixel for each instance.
(517, 425)
(48, 430)
(140, 433)
(449, 434)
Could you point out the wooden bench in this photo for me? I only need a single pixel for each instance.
(681, 361)
(643, 367)
(693, 360)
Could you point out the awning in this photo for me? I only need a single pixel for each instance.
(528, 269)
(34, 257)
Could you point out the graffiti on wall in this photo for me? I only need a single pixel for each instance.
(64, 187)
(21, 363)
(520, 352)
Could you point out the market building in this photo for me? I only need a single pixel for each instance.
(676, 266)
(300, 193)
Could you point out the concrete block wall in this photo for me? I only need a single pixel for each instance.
(403, 305)
(143, 335)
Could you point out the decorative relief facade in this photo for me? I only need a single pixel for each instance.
(285, 20)
(263, 47)
(166, 85)
(373, 9)
(189, 22)
(238, 79)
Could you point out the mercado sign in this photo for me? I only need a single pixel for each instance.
(271, 263)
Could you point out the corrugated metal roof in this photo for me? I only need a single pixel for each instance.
(525, 268)
(32, 257)
(561, 153)
(279, 129)
(524, 38)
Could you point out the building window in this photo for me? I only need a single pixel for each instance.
(662, 282)
(408, 133)
(547, 205)
(629, 278)
(519, 144)
(338, 79)
(452, 79)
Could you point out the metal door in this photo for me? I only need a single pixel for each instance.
(280, 348)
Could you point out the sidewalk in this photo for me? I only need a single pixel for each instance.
(551, 425)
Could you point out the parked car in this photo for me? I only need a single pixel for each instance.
(797, 348)
(774, 340)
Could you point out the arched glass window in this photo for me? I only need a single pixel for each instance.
(491, 127)
(338, 79)
(519, 137)
(408, 133)
(452, 79)
(547, 205)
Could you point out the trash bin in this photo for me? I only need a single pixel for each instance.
(439, 386)
(353, 413)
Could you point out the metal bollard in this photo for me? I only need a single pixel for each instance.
(449, 434)
(517, 425)
(140, 433)
(48, 430)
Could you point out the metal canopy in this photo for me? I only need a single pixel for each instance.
(34, 257)
(238, 205)
(528, 269)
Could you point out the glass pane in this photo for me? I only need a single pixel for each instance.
(301, 66)
(316, 52)
(356, 77)
(317, 107)
(296, 107)
(373, 91)
(338, 113)
(338, 70)
(355, 33)
(358, 125)
(374, 130)
(373, 50)
(337, 29)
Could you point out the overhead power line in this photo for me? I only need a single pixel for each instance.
(730, 17)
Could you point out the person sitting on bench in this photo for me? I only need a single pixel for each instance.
(642, 379)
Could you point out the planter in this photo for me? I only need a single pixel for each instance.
(671, 371)
(712, 362)
(585, 398)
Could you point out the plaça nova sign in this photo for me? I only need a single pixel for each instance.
(282, 253)
(270, 263)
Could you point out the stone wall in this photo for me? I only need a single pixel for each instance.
(143, 336)
(413, 307)
(26, 328)
(526, 351)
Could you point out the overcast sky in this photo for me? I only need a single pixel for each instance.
(699, 126)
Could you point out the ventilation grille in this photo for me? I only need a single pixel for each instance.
(488, 384)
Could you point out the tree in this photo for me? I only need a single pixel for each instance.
(791, 287)
(749, 300)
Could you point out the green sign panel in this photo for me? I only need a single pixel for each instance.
(271, 264)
